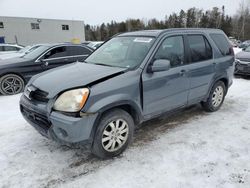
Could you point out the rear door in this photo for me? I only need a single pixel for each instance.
(166, 90)
(79, 53)
(201, 67)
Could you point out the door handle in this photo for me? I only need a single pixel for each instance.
(183, 72)
(45, 64)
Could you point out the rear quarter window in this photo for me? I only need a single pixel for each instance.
(200, 49)
(222, 44)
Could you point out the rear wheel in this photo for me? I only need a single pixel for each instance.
(216, 97)
(11, 84)
(114, 133)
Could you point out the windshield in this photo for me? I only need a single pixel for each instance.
(36, 52)
(125, 52)
(23, 50)
(247, 49)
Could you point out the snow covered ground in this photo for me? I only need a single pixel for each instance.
(191, 149)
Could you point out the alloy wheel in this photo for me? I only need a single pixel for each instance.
(217, 97)
(12, 85)
(115, 135)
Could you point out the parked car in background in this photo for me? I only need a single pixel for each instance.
(245, 44)
(131, 78)
(86, 42)
(242, 63)
(95, 44)
(9, 48)
(234, 42)
(16, 72)
(19, 53)
(237, 50)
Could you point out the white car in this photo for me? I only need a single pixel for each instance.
(236, 50)
(9, 48)
(19, 53)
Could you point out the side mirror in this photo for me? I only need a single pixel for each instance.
(159, 65)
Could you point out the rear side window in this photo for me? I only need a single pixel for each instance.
(200, 49)
(78, 50)
(10, 48)
(221, 43)
(1, 48)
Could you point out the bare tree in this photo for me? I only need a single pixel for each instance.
(243, 13)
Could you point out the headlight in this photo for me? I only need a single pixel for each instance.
(237, 61)
(72, 101)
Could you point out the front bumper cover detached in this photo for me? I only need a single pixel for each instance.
(56, 126)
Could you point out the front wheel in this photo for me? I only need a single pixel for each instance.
(216, 97)
(11, 84)
(114, 133)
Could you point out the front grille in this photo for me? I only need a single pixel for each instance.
(39, 95)
(38, 119)
(244, 59)
(36, 94)
(243, 67)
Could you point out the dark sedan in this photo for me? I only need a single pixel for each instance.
(16, 72)
(242, 66)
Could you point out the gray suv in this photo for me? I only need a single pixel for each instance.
(130, 79)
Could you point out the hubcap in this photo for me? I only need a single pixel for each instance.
(11, 85)
(115, 135)
(217, 96)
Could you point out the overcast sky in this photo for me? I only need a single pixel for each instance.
(96, 12)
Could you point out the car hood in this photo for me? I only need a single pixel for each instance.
(72, 76)
(13, 61)
(243, 55)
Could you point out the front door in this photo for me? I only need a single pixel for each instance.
(166, 90)
(56, 57)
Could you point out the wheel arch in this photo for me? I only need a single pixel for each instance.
(224, 79)
(127, 106)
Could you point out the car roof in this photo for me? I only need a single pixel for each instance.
(66, 44)
(5, 44)
(156, 33)
(63, 44)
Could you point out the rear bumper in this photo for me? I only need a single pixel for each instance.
(56, 126)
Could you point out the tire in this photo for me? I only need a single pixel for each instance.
(111, 137)
(11, 84)
(216, 97)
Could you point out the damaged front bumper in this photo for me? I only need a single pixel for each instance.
(56, 126)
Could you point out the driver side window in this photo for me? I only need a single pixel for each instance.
(56, 52)
(172, 49)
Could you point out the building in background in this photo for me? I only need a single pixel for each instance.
(26, 31)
